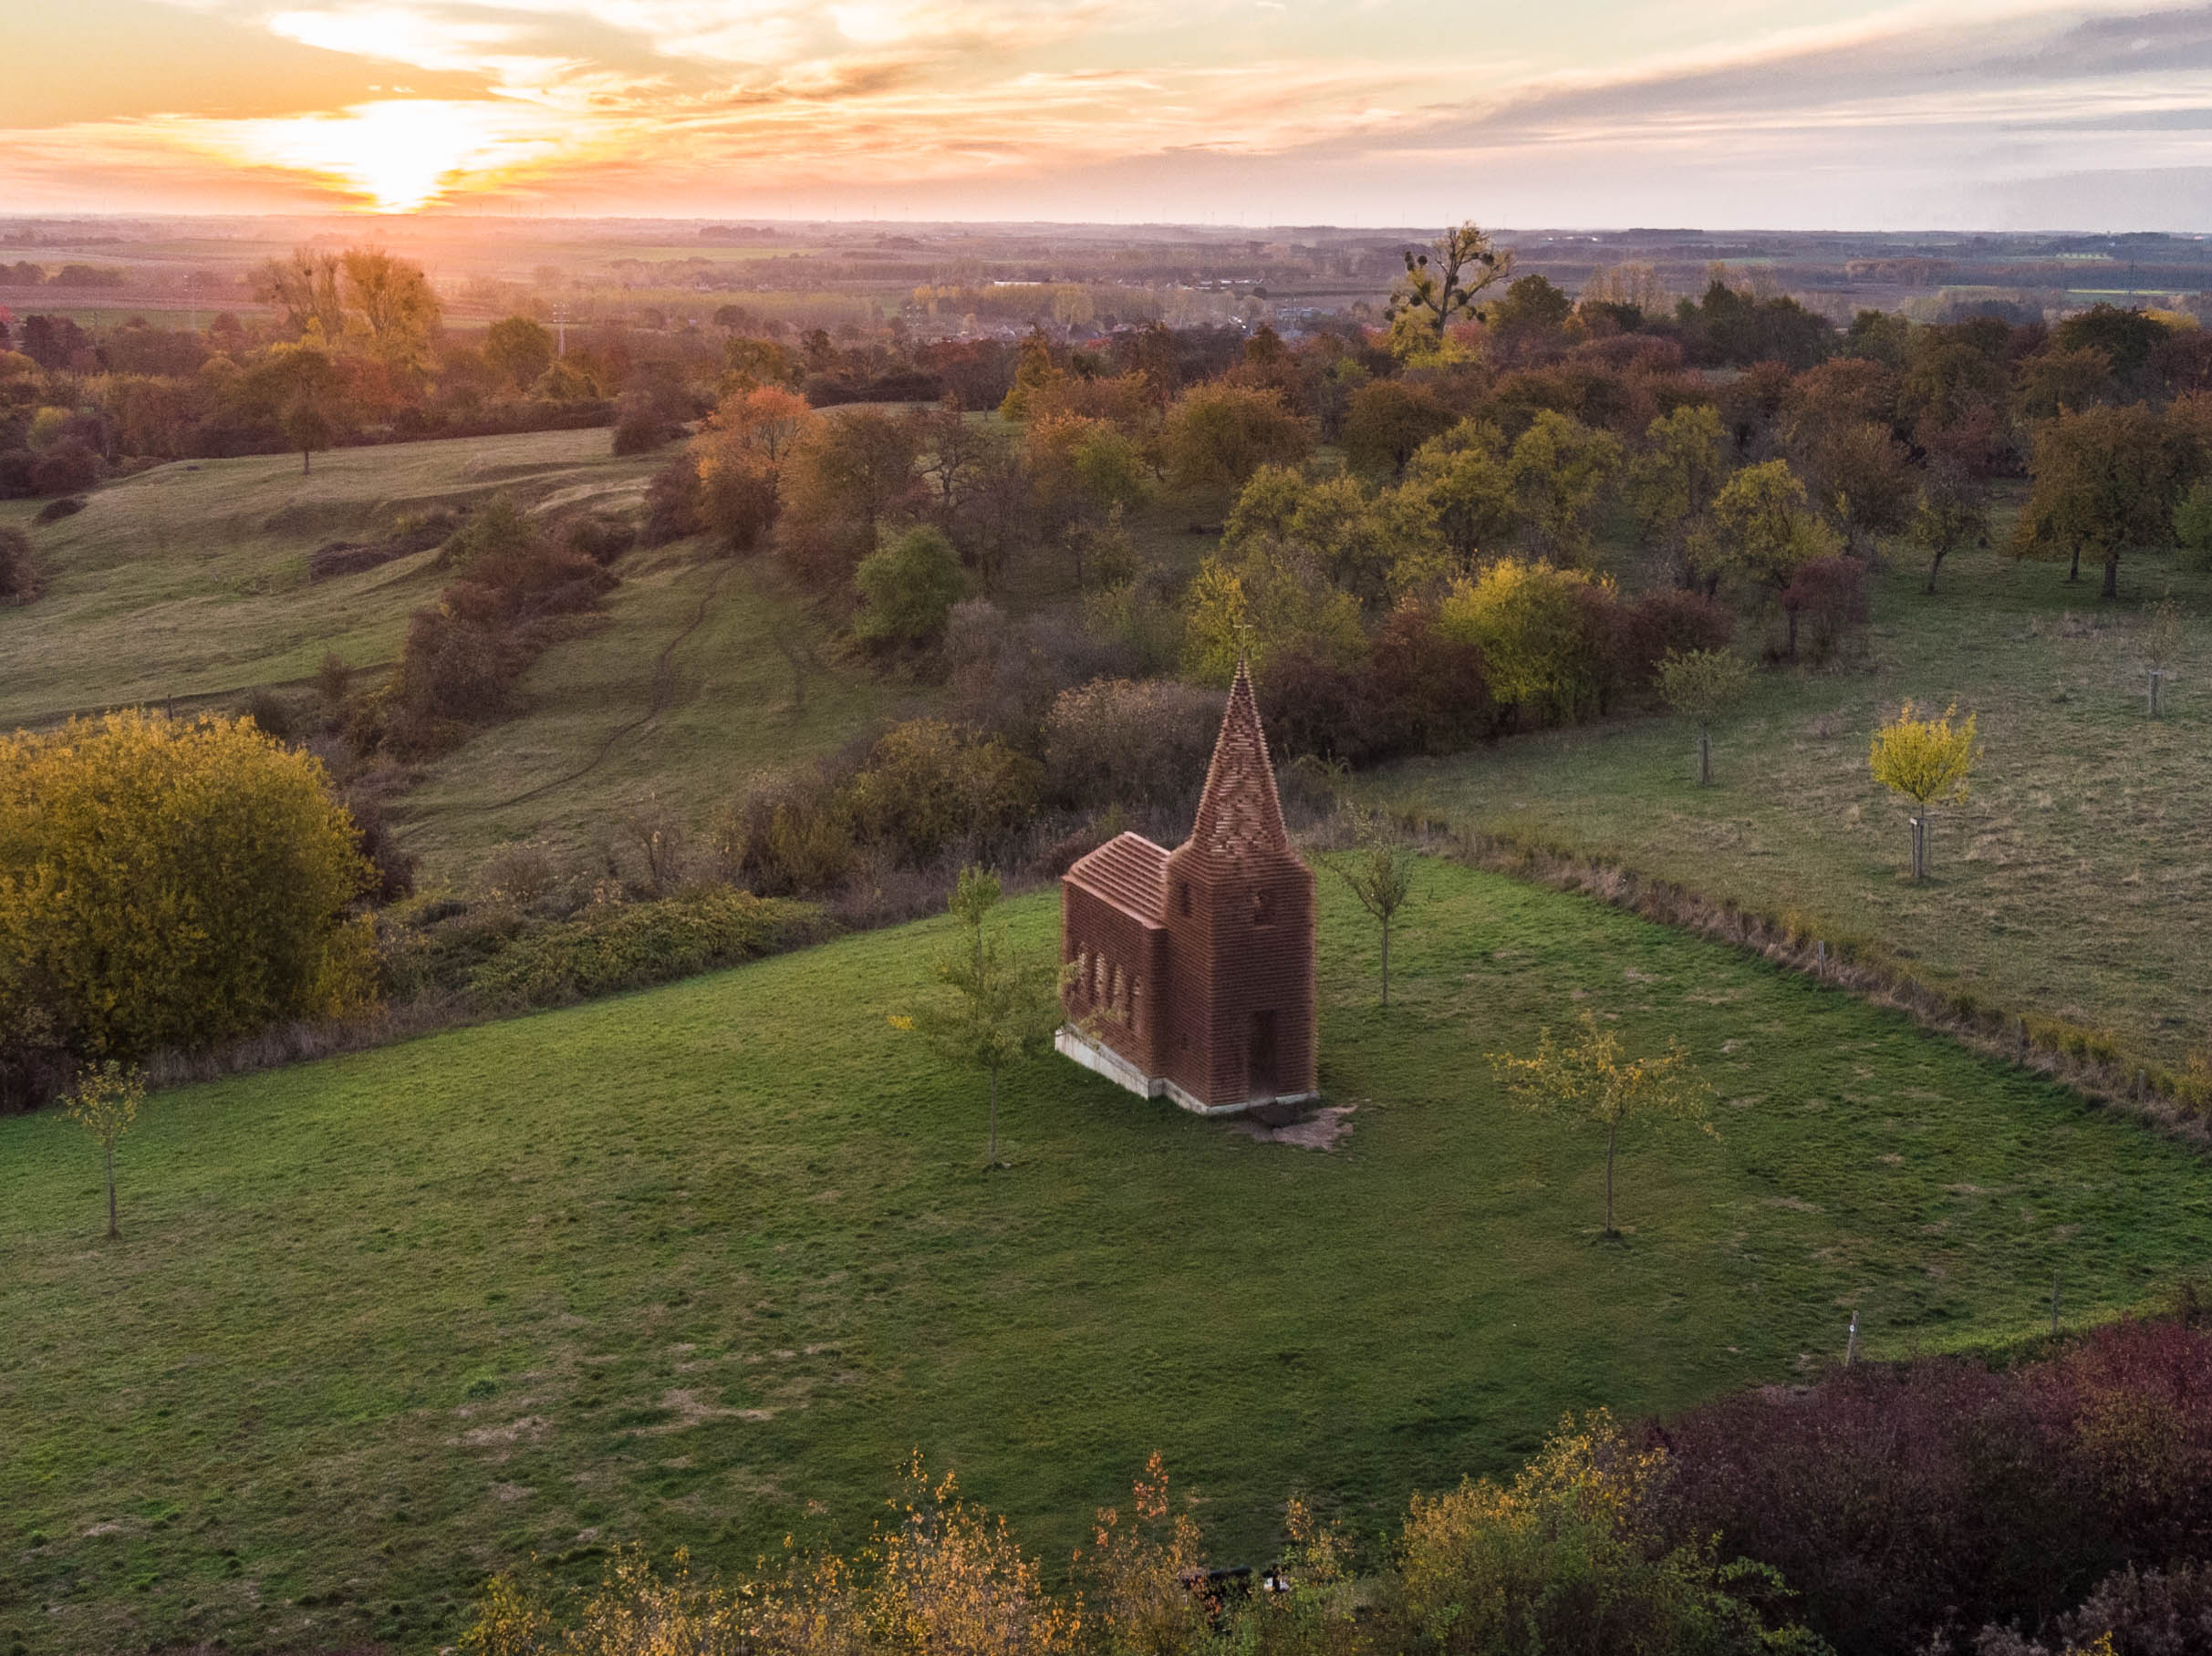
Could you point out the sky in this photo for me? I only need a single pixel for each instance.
(1973, 114)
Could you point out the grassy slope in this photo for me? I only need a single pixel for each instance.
(2075, 881)
(727, 712)
(701, 1264)
(191, 580)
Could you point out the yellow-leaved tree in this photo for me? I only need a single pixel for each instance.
(1927, 761)
(104, 1103)
(1589, 1078)
(166, 883)
(1529, 620)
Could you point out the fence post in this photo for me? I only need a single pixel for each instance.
(1851, 1342)
(1820, 959)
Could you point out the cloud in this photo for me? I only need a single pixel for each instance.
(1331, 110)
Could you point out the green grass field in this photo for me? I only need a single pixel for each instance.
(2076, 880)
(191, 580)
(701, 1264)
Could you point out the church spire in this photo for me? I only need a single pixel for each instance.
(1240, 814)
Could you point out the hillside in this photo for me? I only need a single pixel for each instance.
(191, 580)
(702, 1265)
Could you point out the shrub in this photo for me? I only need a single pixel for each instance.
(640, 427)
(796, 832)
(1671, 622)
(499, 525)
(272, 714)
(1825, 601)
(1566, 1558)
(20, 582)
(1427, 693)
(1938, 1498)
(929, 785)
(1533, 626)
(628, 945)
(738, 500)
(600, 539)
(908, 589)
(1119, 742)
(672, 503)
(172, 884)
(69, 467)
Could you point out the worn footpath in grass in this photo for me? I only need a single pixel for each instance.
(702, 674)
(701, 1265)
(2075, 881)
(191, 580)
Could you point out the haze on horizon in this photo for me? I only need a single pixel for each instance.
(1986, 114)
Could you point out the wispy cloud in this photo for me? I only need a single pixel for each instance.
(1739, 112)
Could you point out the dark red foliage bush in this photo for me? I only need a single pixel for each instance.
(1425, 693)
(67, 467)
(1824, 602)
(1939, 1497)
(1670, 620)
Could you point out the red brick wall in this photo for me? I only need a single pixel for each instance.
(1126, 978)
(1227, 967)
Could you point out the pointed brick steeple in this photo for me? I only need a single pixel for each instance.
(1239, 814)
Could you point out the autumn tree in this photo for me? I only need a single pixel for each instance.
(1588, 1078)
(1926, 761)
(305, 290)
(1217, 435)
(165, 882)
(1953, 512)
(739, 456)
(995, 1007)
(1703, 685)
(2103, 480)
(1764, 531)
(1385, 421)
(1379, 873)
(390, 308)
(104, 1103)
(1462, 476)
(1859, 475)
(519, 349)
(1560, 469)
(1672, 485)
(1440, 286)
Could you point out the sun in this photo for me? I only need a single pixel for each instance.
(403, 154)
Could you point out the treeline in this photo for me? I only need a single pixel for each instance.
(355, 349)
(2061, 1505)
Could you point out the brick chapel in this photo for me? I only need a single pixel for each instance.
(1193, 972)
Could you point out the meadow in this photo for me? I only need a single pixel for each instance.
(190, 581)
(2076, 878)
(701, 1266)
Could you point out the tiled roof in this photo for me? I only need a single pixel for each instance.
(1129, 872)
(1240, 814)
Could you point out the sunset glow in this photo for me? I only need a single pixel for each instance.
(399, 156)
(1345, 110)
